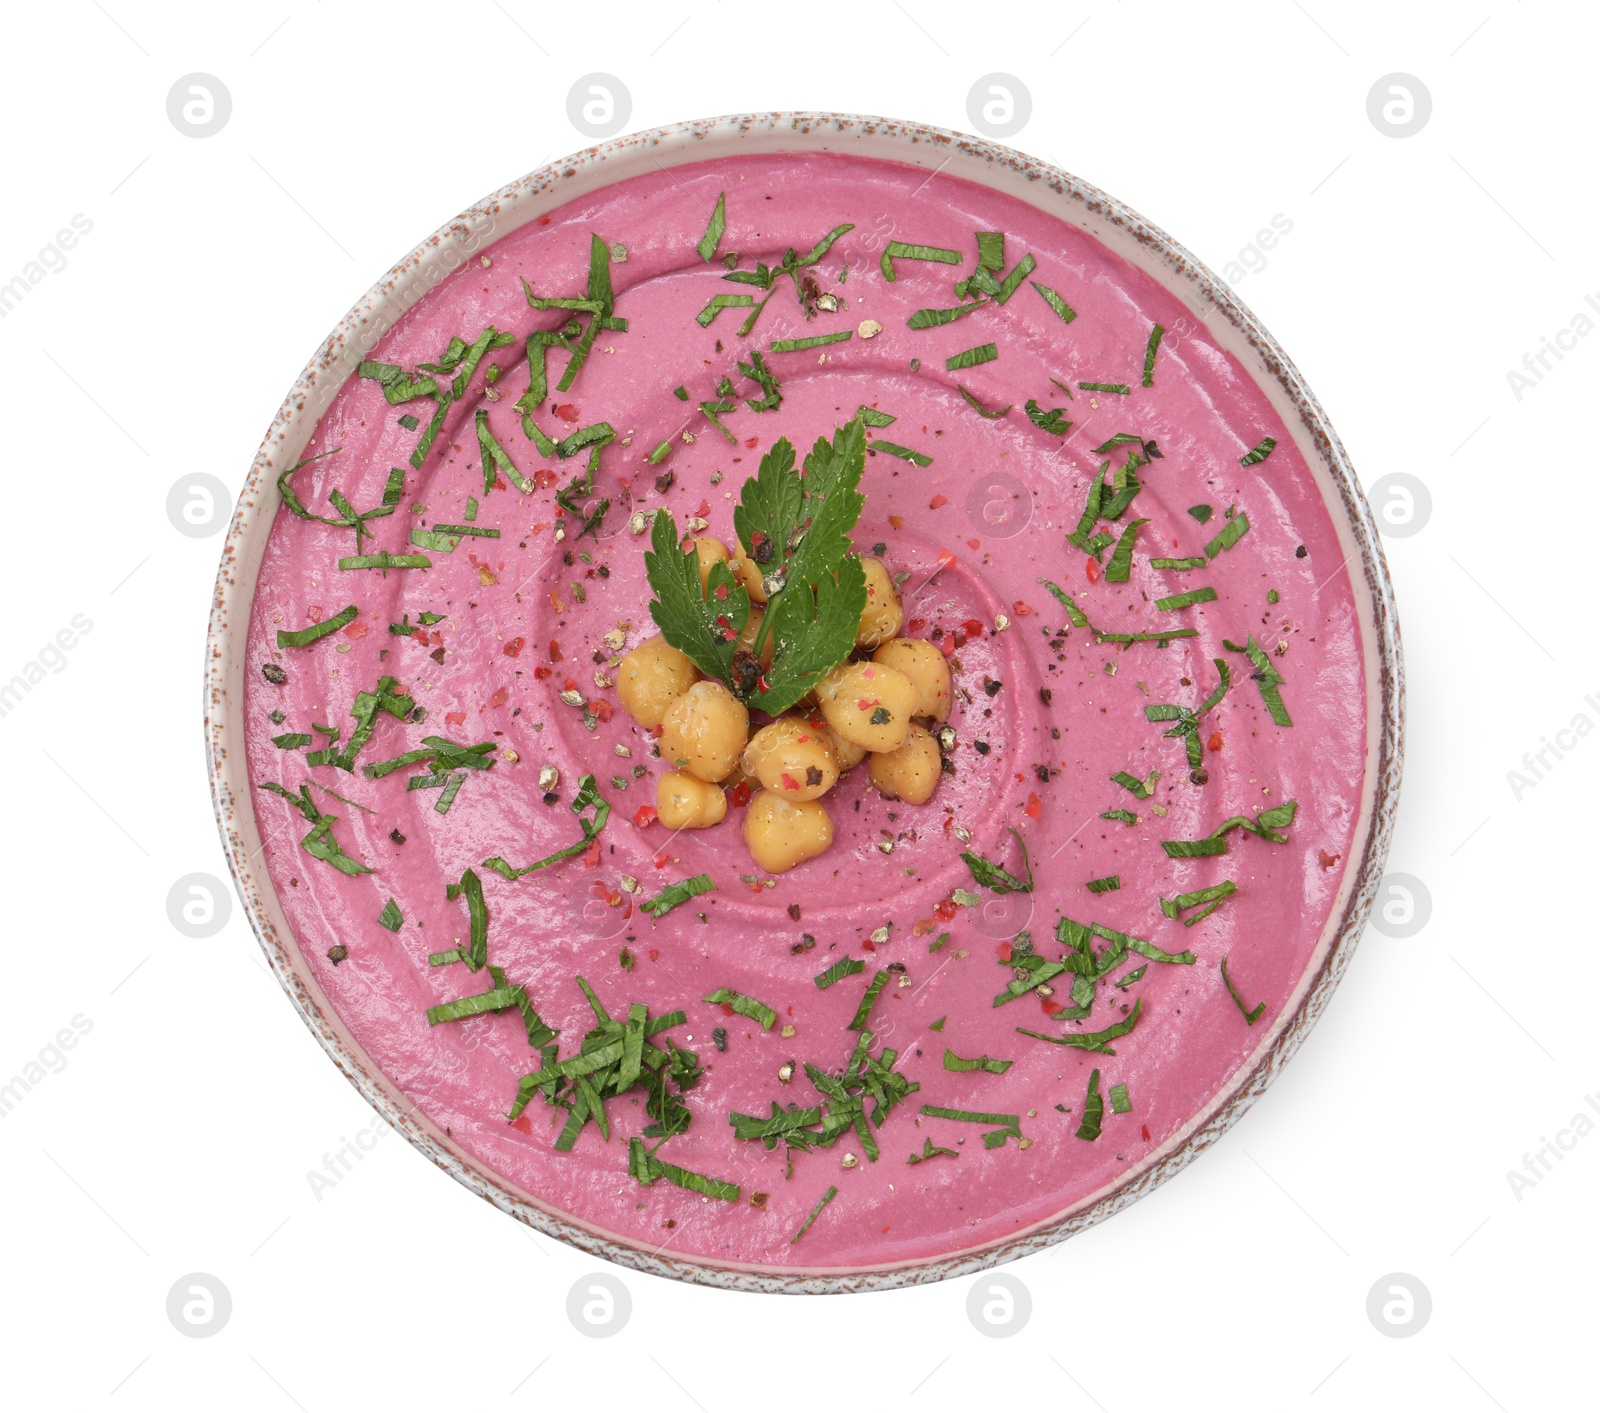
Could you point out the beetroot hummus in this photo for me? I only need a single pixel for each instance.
(962, 1017)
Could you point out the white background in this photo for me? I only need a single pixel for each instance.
(179, 1134)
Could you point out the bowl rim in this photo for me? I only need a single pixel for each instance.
(975, 159)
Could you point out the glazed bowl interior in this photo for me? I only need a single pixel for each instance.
(1209, 304)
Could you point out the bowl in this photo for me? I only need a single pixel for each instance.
(989, 164)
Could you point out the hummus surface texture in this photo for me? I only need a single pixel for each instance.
(1042, 717)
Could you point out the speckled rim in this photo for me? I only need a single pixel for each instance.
(989, 164)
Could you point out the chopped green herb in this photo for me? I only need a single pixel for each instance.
(1266, 677)
(743, 1005)
(871, 417)
(916, 458)
(1122, 389)
(1120, 816)
(291, 740)
(899, 250)
(1119, 1099)
(935, 318)
(1142, 789)
(995, 878)
(815, 341)
(1094, 1108)
(1120, 566)
(707, 248)
(1122, 983)
(1187, 598)
(1231, 533)
(972, 357)
(1260, 452)
(953, 1061)
(1055, 301)
(1048, 419)
(929, 1150)
(1251, 1016)
(1150, 356)
(1196, 561)
(718, 303)
(979, 408)
(822, 1202)
(1175, 907)
(1202, 513)
(391, 917)
(1109, 884)
(385, 560)
(846, 966)
(670, 897)
(1096, 1041)
(647, 1168)
(869, 997)
(586, 797)
(498, 998)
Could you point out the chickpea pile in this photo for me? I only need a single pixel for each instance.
(876, 708)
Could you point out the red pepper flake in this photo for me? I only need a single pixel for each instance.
(722, 592)
(499, 696)
(972, 628)
(1144, 1132)
(916, 625)
(945, 910)
(947, 644)
(867, 703)
(752, 442)
(591, 855)
(544, 220)
(788, 781)
(974, 544)
(1003, 951)
(704, 509)
(355, 630)
(555, 653)
(455, 718)
(1051, 1008)
(898, 522)
(654, 953)
(1033, 809)
(522, 1123)
(937, 501)
(644, 816)
(1021, 609)
(868, 946)
(946, 558)
(540, 673)
(567, 412)
(1091, 570)
(498, 484)
(314, 614)
(600, 710)
(1328, 860)
(1215, 743)
(568, 685)
(544, 479)
(659, 861)
(740, 794)
(727, 1008)
(513, 648)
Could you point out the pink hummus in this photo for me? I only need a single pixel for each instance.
(523, 617)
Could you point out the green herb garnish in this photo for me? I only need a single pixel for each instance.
(953, 1061)
(1055, 301)
(929, 1150)
(1233, 530)
(586, 797)
(1094, 1108)
(972, 357)
(707, 248)
(845, 966)
(1251, 1016)
(916, 458)
(647, 1168)
(1266, 677)
(868, 999)
(899, 250)
(1048, 419)
(391, 917)
(1259, 452)
(1150, 356)
(1122, 389)
(995, 878)
(1109, 884)
(1187, 599)
(674, 894)
(814, 341)
(822, 1202)
(743, 1005)
(1095, 1041)
(304, 637)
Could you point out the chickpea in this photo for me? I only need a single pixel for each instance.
(704, 731)
(925, 665)
(708, 550)
(883, 616)
(910, 773)
(748, 637)
(792, 758)
(653, 676)
(847, 753)
(868, 704)
(748, 573)
(780, 833)
(685, 802)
